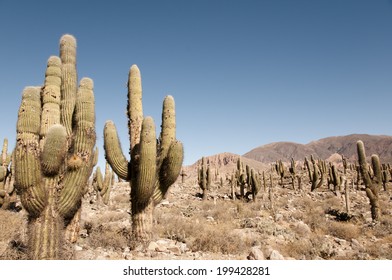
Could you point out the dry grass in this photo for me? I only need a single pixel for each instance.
(109, 237)
(343, 230)
(298, 249)
(13, 236)
(209, 230)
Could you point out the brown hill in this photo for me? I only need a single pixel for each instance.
(324, 148)
(226, 163)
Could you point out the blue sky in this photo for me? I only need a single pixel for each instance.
(243, 73)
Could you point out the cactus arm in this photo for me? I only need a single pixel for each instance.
(144, 165)
(170, 170)
(363, 166)
(168, 127)
(113, 152)
(51, 95)
(54, 150)
(135, 109)
(27, 162)
(69, 80)
(84, 137)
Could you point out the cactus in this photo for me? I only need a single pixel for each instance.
(183, 175)
(53, 153)
(232, 187)
(281, 170)
(335, 179)
(385, 176)
(344, 161)
(102, 185)
(372, 183)
(6, 177)
(204, 178)
(153, 166)
(255, 184)
(292, 170)
(316, 172)
(241, 178)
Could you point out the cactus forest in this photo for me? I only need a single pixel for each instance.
(59, 202)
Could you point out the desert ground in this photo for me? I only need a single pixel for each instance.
(283, 223)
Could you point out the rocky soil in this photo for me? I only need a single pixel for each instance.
(297, 224)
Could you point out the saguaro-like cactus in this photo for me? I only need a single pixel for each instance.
(6, 184)
(372, 183)
(204, 178)
(102, 185)
(54, 151)
(154, 165)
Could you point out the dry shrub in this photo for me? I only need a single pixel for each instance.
(384, 228)
(343, 230)
(110, 216)
(298, 249)
(109, 237)
(219, 239)
(380, 249)
(315, 219)
(120, 199)
(13, 236)
(332, 203)
(200, 234)
(245, 210)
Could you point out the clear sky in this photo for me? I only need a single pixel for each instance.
(243, 73)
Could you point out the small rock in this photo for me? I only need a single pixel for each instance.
(210, 219)
(164, 203)
(340, 241)
(183, 247)
(78, 248)
(278, 217)
(256, 254)
(152, 246)
(356, 245)
(275, 255)
(302, 228)
(83, 233)
(175, 250)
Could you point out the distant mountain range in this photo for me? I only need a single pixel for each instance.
(324, 148)
(330, 148)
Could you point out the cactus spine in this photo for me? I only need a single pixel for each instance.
(372, 183)
(153, 166)
(53, 153)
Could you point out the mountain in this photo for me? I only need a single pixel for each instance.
(226, 163)
(324, 148)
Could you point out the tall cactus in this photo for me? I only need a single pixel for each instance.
(102, 185)
(154, 165)
(6, 187)
(54, 151)
(204, 178)
(372, 183)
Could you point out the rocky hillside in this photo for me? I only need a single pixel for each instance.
(225, 163)
(324, 148)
